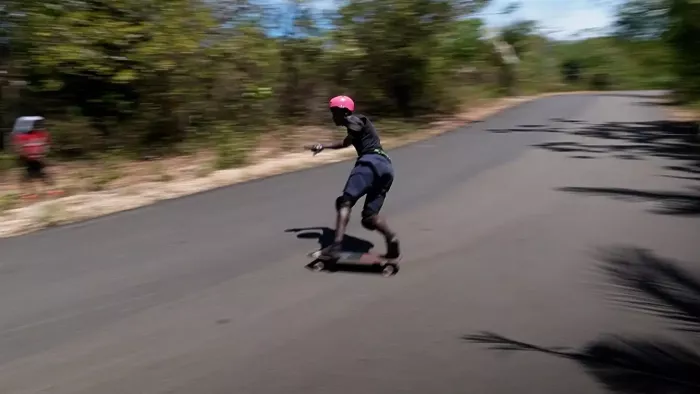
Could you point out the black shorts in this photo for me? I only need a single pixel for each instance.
(34, 168)
(371, 177)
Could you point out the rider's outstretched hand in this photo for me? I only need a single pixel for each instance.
(316, 148)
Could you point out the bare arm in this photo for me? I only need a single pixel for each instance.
(347, 141)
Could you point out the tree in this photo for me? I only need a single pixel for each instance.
(642, 19)
(401, 66)
(676, 24)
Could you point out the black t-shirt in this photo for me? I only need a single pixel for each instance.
(364, 136)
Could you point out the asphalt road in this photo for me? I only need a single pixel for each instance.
(499, 223)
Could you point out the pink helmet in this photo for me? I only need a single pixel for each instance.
(342, 102)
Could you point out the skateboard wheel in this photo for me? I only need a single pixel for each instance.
(318, 266)
(389, 270)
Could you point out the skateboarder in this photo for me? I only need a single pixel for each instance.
(372, 176)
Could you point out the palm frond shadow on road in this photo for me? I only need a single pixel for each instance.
(649, 284)
(668, 202)
(675, 140)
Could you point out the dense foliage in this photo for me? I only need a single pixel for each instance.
(136, 74)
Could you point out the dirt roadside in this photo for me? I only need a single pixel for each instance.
(186, 179)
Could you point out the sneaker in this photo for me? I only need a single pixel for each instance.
(392, 249)
(331, 251)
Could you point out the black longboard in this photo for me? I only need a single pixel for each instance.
(389, 267)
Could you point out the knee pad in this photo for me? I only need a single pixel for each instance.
(343, 201)
(369, 222)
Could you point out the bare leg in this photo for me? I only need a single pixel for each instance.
(341, 223)
(383, 227)
(47, 179)
(50, 183)
(26, 183)
(378, 223)
(356, 186)
(372, 221)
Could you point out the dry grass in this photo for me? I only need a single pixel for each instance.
(687, 113)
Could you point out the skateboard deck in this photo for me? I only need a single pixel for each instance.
(389, 266)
